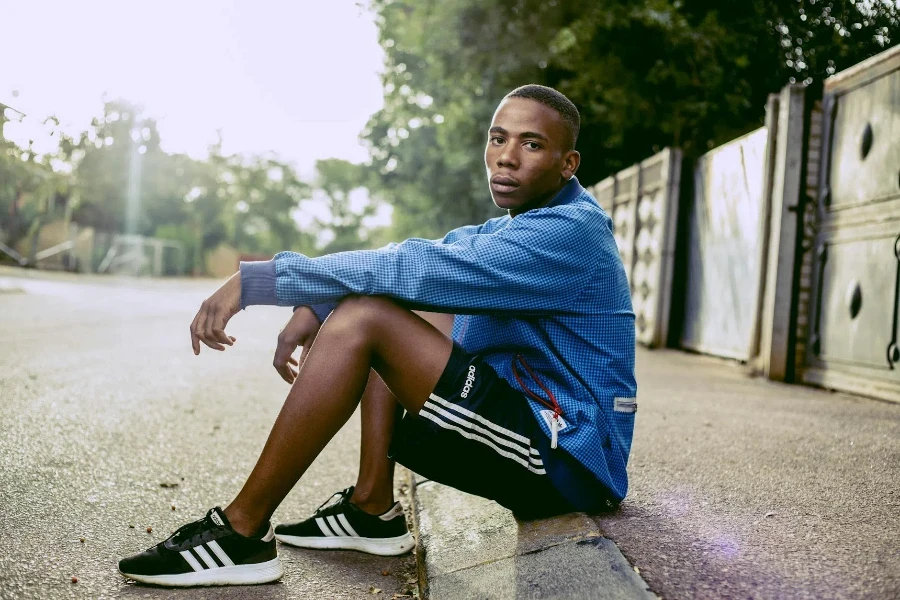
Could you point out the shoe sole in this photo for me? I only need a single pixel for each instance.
(380, 546)
(265, 572)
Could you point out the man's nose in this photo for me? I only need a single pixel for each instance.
(508, 157)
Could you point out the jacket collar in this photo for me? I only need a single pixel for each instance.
(568, 194)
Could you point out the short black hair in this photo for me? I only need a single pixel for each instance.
(555, 100)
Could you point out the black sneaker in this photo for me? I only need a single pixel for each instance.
(343, 526)
(207, 552)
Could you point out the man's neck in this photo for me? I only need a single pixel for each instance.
(544, 202)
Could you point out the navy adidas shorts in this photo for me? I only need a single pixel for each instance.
(477, 434)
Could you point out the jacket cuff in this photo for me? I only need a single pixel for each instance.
(320, 310)
(258, 283)
(323, 310)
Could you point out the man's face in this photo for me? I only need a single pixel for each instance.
(526, 157)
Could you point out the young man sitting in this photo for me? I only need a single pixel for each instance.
(530, 402)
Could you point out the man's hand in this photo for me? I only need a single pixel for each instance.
(301, 330)
(209, 324)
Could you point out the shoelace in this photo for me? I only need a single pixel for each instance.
(344, 498)
(191, 530)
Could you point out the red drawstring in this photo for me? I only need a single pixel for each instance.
(553, 404)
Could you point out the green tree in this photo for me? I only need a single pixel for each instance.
(118, 169)
(31, 192)
(268, 193)
(126, 183)
(344, 188)
(645, 74)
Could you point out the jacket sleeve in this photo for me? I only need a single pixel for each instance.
(324, 309)
(536, 264)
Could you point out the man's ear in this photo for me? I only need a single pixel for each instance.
(571, 160)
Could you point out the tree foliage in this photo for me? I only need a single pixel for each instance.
(30, 190)
(115, 177)
(345, 189)
(645, 74)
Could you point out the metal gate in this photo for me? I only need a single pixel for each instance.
(642, 201)
(724, 256)
(853, 342)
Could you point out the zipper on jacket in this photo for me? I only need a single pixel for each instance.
(552, 404)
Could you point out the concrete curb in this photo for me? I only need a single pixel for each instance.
(469, 547)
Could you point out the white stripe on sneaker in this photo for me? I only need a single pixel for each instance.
(205, 557)
(325, 531)
(346, 525)
(524, 450)
(475, 416)
(334, 525)
(186, 555)
(217, 550)
(474, 436)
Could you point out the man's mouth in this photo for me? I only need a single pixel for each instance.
(503, 184)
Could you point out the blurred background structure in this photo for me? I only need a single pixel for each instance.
(746, 151)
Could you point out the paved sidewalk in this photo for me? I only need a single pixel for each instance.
(110, 425)
(740, 488)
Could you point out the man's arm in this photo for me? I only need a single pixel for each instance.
(322, 310)
(537, 264)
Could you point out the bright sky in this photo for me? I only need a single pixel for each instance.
(296, 77)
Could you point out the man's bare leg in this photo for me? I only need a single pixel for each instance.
(363, 333)
(374, 490)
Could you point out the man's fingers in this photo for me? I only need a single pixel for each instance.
(304, 351)
(293, 361)
(197, 327)
(212, 344)
(287, 372)
(283, 371)
(209, 324)
(220, 336)
(210, 328)
(282, 355)
(215, 327)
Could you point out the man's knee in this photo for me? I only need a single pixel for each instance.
(359, 313)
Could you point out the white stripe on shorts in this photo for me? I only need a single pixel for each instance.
(476, 417)
(449, 416)
(479, 438)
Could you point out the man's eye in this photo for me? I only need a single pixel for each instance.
(533, 145)
(496, 140)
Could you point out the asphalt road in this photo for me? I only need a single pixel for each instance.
(103, 405)
(744, 488)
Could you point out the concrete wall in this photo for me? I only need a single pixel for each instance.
(742, 214)
(725, 247)
(642, 201)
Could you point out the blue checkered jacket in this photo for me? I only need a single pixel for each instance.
(548, 285)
